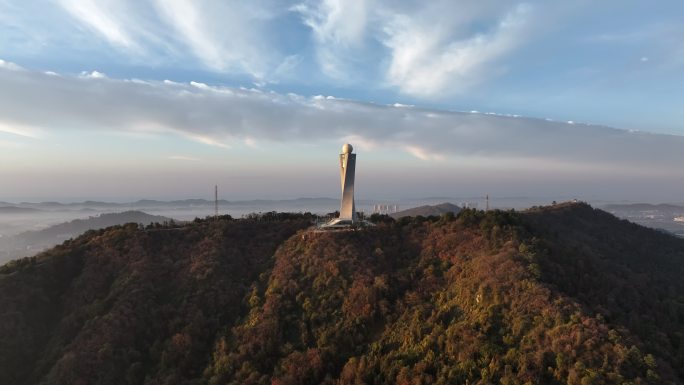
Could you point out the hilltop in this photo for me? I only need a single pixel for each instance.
(427, 210)
(557, 295)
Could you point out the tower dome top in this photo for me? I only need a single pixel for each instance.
(347, 148)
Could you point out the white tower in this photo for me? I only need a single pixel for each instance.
(347, 169)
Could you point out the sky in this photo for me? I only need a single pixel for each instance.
(163, 99)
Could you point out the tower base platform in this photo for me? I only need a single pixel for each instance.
(341, 223)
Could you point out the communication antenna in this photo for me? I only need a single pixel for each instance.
(215, 201)
(487, 205)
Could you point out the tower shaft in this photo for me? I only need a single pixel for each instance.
(347, 170)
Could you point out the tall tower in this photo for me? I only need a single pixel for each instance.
(347, 169)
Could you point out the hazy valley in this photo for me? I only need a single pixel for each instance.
(27, 228)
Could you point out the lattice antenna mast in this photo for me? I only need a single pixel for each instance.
(487, 204)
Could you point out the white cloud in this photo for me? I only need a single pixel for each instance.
(427, 60)
(339, 28)
(251, 142)
(337, 21)
(183, 158)
(132, 27)
(422, 153)
(18, 129)
(85, 74)
(224, 117)
(100, 17)
(225, 36)
(424, 49)
(9, 65)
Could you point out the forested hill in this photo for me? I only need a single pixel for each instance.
(558, 295)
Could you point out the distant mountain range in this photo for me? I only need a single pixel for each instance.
(148, 203)
(17, 210)
(31, 242)
(643, 207)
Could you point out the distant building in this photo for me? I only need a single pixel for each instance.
(385, 209)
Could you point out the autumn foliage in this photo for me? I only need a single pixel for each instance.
(561, 295)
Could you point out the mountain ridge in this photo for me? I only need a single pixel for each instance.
(500, 296)
(29, 242)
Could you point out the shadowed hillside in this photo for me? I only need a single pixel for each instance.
(478, 298)
(630, 275)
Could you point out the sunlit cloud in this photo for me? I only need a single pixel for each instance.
(226, 36)
(430, 49)
(92, 75)
(224, 117)
(21, 130)
(429, 61)
(251, 142)
(100, 17)
(183, 158)
(422, 153)
(9, 66)
(339, 28)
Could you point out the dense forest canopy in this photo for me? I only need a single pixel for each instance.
(557, 295)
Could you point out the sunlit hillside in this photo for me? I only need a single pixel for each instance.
(559, 295)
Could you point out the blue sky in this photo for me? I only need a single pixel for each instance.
(165, 98)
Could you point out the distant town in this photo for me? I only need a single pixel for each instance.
(665, 217)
